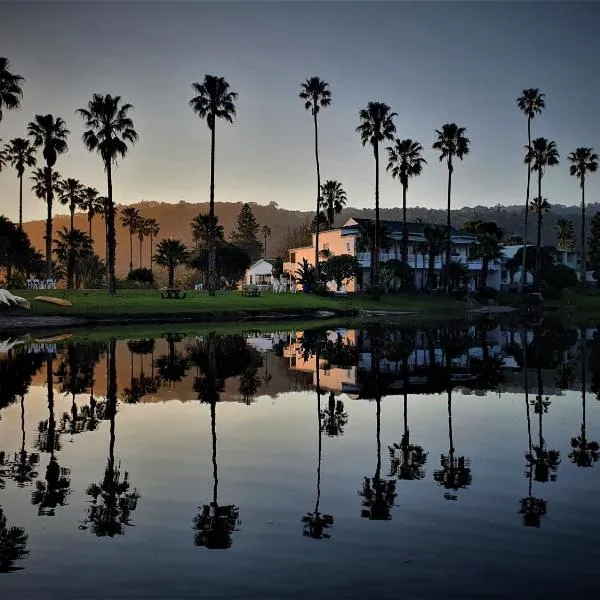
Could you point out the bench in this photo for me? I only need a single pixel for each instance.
(250, 290)
(172, 294)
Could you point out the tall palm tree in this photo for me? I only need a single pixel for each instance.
(214, 100)
(333, 199)
(20, 154)
(130, 217)
(50, 134)
(70, 193)
(405, 161)
(530, 102)
(450, 142)
(376, 126)
(170, 254)
(142, 230)
(91, 203)
(316, 95)
(583, 161)
(10, 87)
(153, 231)
(565, 234)
(266, 231)
(539, 206)
(435, 238)
(204, 227)
(110, 130)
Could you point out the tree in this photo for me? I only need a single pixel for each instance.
(593, 248)
(376, 126)
(565, 234)
(70, 193)
(204, 228)
(297, 237)
(20, 154)
(547, 260)
(130, 217)
(91, 203)
(153, 231)
(405, 161)
(340, 268)
(16, 251)
(73, 248)
(245, 234)
(171, 253)
(266, 231)
(530, 102)
(435, 238)
(51, 135)
(142, 230)
(215, 100)
(487, 247)
(333, 200)
(539, 206)
(110, 130)
(450, 142)
(232, 261)
(10, 87)
(316, 95)
(13, 540)
(583, 161)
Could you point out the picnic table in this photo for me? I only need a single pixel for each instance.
(250, 290)
(172, 294)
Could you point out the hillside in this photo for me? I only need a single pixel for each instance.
(175, 222)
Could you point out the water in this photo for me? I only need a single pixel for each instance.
(431, 465)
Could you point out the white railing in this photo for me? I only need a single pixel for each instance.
(416, 261)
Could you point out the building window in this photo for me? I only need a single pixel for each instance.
(348, 247)
(262, 279)
(292, 257)
(325, 246)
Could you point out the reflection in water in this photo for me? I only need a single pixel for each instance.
(13, 545)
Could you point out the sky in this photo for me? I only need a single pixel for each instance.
(432, 62)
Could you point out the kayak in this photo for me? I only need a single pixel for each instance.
(52, 300)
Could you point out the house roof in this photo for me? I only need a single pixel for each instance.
(396, 227)
(271, 261)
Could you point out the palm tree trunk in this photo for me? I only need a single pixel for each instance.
(450, 435)
(265, 246)
(141, 241)
(430, 270)
(317, 224)
(72, 211)
(90, 217)
(320, 434)
(49, 197)
(539, 246)
(171, 275)
(213, 430)
(583, 365)
(523, 266)
(212, 251)
(151, 250)
(130, 249)
(111, 400)
(21, 201)
(583, 275)
(375, 248)
(404, 230)
(111, 237)
(485, 266)
(449, 228)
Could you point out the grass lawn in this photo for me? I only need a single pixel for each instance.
(148, 303)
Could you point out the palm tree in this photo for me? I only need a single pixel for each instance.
(565, 234)
(405, 161)
(266, 231)
(142, 230)
(450, 142)
(583, 161)
(530, 102)
(171, 253)
(316, 95)
(333, 199)
(539, 206)
(376, 126)
(20, 154)
(73, 247)
(214, 100)
(153, 231)
(50, 134)
(486, 248)
(10, 87)
(130, 217)
(91, 203)
(110, 130)
(39, 178)
(70, 193)
(435, 238)
(204, 228)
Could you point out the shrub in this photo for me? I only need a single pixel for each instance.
(556, 278)
(141, 276)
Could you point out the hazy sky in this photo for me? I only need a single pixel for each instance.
(432, 62)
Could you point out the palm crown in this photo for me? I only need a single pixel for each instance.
(214, 100)
(91, 202)
(10, 87)
(583, 160)
(531, 102)
(450, 142)
(20, 154)
(70, 191)
(539, 205)
(50, 134)
(376, 123)
(543, 153)
(565, 234)
(39, 182)
(206, 228)
(405, 160)
(333, 199)
(316, 94)
(130, 217)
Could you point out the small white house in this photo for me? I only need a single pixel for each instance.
(260, 273)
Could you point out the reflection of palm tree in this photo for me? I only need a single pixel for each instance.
(13, 545)
(112, 501)
(171, 367)
(334, 417)
(24, 466)
(249, 384)
(583, 453)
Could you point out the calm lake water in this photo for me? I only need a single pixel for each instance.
(386, 462)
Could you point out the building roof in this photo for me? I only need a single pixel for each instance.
(396, 227)
(271, 261)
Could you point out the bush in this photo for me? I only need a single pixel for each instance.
(126, 284)
(17, 281)
(141, 276)
(556, 278)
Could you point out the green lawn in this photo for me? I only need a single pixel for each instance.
(148, 303)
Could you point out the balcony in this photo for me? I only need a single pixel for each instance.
(417, 261)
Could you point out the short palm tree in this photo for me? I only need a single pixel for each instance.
(333, 200)
(70, 193)
(531, 102)
(376, 126)
(72, 247)
(214, 100)
(91, 203)
(110, 130)
(266, 231)
(539, 206)
(487, 248)
(583, 161)
(405, 161)
(170, 254)
(316, 95)
(20, 154)
(130, 217)
(435, 239)
(565, 234)
(205, 228)
(450, 142)
(50, 134)
(10, 87)
(153, 231)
